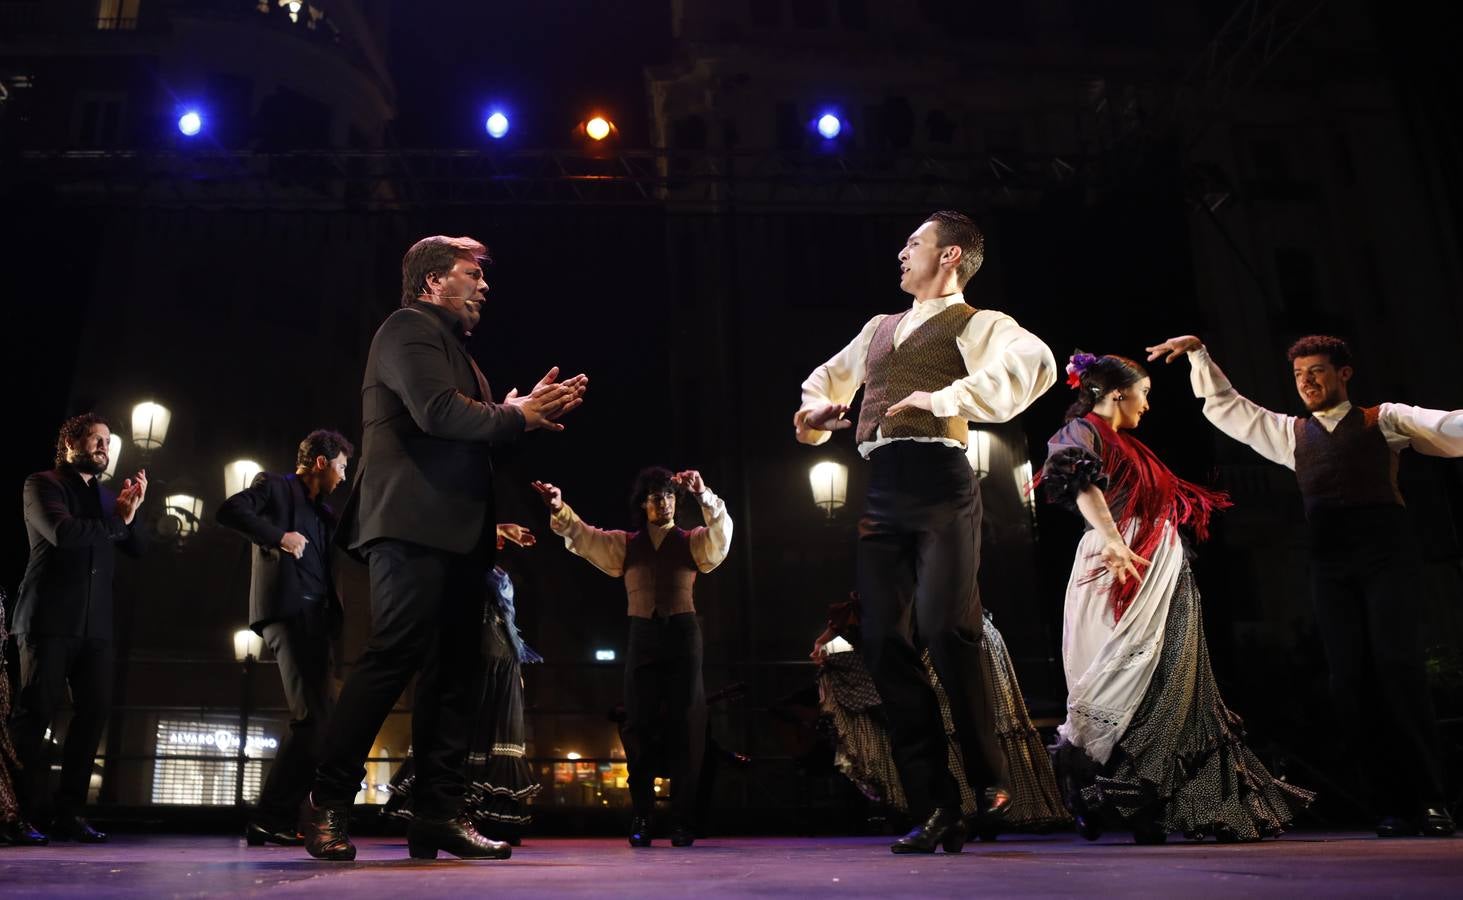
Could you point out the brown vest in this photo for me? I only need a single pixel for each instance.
(1348, 467)
(659, 582)
(928, 360)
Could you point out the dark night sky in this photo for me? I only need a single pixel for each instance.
(548, 66)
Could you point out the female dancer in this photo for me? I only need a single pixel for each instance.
(849, 700)
(500, 781)
(1143, 708)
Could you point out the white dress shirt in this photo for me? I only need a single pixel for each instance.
(605, 550)
(1272, 435)
(1007, 368)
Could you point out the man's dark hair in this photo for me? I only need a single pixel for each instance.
(649, 481)
(322, 442)
(73, 430)
(955, 229)
(435, 255)
(1333, 348)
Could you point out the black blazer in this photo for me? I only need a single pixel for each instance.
(263, 512)
(67, 589)
(429, 424)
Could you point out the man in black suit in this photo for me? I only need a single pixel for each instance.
(294, 606)
(422, 515)
(63, 619)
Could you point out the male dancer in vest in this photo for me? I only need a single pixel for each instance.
(1365, 574)
(926, 372)
(659, 563)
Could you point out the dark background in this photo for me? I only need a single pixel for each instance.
(238, 280)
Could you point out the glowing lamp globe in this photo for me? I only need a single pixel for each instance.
(190, 123)
(497, 125)
(597, 128)
(829, 126)
(830, 485)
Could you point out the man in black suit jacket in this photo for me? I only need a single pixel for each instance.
(422, 516)
(63, 619)
(294, 606)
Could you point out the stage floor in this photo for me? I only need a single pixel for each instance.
(1314, 864)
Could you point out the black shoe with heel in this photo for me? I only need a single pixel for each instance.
(457, 836)
(943, 829)
(326, 831)
(640, 831)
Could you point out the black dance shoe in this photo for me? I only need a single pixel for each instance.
(1149, 833)
(75, 828)
(943, 829)
(682, 836)
(425, 837)
(1396, 826)
(1089, 825)
(21, 833)
(257, 834)
(640, 831)
(1437, 822)
(326, 831)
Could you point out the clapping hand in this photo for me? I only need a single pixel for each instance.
(133, 492)
(549, 400)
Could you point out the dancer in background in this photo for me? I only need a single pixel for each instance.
(500, 783)
(659, 563)
(847, 696)
(1366, 577)
(1143, 708)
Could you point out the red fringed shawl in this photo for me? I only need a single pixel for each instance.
(1154, 495)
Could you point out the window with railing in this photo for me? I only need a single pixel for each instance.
(117, 15)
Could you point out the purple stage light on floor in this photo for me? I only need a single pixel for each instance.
(829, 126)
(190, 123)
(497, 125)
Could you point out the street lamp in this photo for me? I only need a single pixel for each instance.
(978, 452)
(150, 424)
(185, 511)
(830, 485)
(247, 648)
(239, 475)
(114, 450)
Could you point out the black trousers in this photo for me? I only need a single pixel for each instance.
(426, 608)
(48, 665)
(301, 646)
(918, 552)
(1367, 584)
(665, 709)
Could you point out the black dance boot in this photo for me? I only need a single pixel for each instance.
(325, 829)
(1396, 826)
(640, 831)
(258, 833)
(943, 829)
(457, 836)
(21, 833)
(1437, 822)
(75, 828)
(682, 835)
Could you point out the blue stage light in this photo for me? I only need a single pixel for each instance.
(497, 125)
(829, 126)
(190, 123)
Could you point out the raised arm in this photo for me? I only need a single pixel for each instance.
(1270, 434)
(1433, 432)
(711, 543)
(605, 550)
(830, 388)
